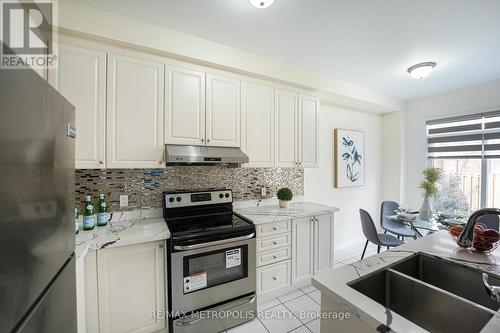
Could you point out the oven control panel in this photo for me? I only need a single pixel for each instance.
(187, 199)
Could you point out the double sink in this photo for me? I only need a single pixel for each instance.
(436, 294)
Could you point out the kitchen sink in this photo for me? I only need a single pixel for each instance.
(436, 294)
(457, 279)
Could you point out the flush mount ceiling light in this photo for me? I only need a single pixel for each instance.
(422, 70)
(261, 3)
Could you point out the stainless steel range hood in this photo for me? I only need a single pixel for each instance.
(182, 155)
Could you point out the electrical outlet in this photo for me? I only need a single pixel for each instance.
(263, 191)
(123, 200)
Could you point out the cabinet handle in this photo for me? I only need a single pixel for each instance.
(161, 246)
(208, 140)
(275, 257)
(275, 243)
(274, 228)
(274, 278)
(101, 162)
(202, 140)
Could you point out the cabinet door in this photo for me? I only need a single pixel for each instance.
(286, 129)
(135, 113)
(302, 249)
(131, 282)
(258, 124)
(323, 243)
(223, 112)
(185, 107)
(308, 131)
(81, 78)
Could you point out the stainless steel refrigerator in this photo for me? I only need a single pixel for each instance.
(37, 240)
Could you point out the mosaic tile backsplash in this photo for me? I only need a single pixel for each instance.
(144, 187)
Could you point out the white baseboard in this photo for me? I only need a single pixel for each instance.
(349, 243)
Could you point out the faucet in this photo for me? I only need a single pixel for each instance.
(466, 238)
(493, 291)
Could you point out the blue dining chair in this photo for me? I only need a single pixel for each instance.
(394, 227)
(373, 236)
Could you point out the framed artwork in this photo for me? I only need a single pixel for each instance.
(349, 155)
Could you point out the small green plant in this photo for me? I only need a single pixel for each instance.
(431, 177)
(284, 194)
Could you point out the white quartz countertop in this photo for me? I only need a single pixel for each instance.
(273, 213)
(334, 284)
(120, 233)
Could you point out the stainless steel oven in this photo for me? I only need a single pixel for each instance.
(210, 273)
(212, 261)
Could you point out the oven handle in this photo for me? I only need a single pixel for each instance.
(222, 241)
(191, 321)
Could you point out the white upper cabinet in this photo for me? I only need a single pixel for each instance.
(135, 112)
(223, 112)
(257, 109)
(185, 107)
(286, 129)
(81, 78)
(308, 131)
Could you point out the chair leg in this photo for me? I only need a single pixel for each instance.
(387, 248)
(364, 250)
(378, 249)
(402, 238)
(385, 231)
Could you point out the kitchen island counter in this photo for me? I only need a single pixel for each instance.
(372, 315)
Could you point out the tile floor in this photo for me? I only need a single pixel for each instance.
(294, 311)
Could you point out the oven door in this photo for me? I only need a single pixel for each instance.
(212, 274)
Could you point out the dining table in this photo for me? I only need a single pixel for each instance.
(421, 227)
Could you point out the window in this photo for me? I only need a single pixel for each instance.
(467, 149)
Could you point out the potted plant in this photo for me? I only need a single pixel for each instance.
(431, 177)
(284, 195)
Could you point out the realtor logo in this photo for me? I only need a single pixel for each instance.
(28, 35)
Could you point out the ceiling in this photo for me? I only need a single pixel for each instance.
(367, 42)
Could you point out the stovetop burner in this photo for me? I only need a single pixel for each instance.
(202, 216)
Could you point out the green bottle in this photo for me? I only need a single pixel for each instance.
(77, 221)
(102, 215)
(88, 215)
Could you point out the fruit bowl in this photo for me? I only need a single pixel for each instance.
(485, 240)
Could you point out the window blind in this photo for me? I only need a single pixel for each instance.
(472, 136)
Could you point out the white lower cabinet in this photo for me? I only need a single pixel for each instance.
(273, 277)
(302, 249)
(323, 243)
(312, 246)
(125, 289)
(292, 252)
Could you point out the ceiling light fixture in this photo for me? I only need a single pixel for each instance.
(422, 70)
(261, 3)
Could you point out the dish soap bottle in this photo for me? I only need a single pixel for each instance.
(77, 221)
(102, 216)
(88, 215)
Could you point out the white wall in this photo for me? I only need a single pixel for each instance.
(392, 153)
(318, 182)
(469, 100)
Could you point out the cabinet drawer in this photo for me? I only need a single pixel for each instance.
(269, 229)
(273, 242)
(273, 256)
(273, 277)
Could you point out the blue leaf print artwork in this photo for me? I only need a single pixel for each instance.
(351, 157)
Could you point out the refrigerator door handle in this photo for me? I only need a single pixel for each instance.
(70, 131)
